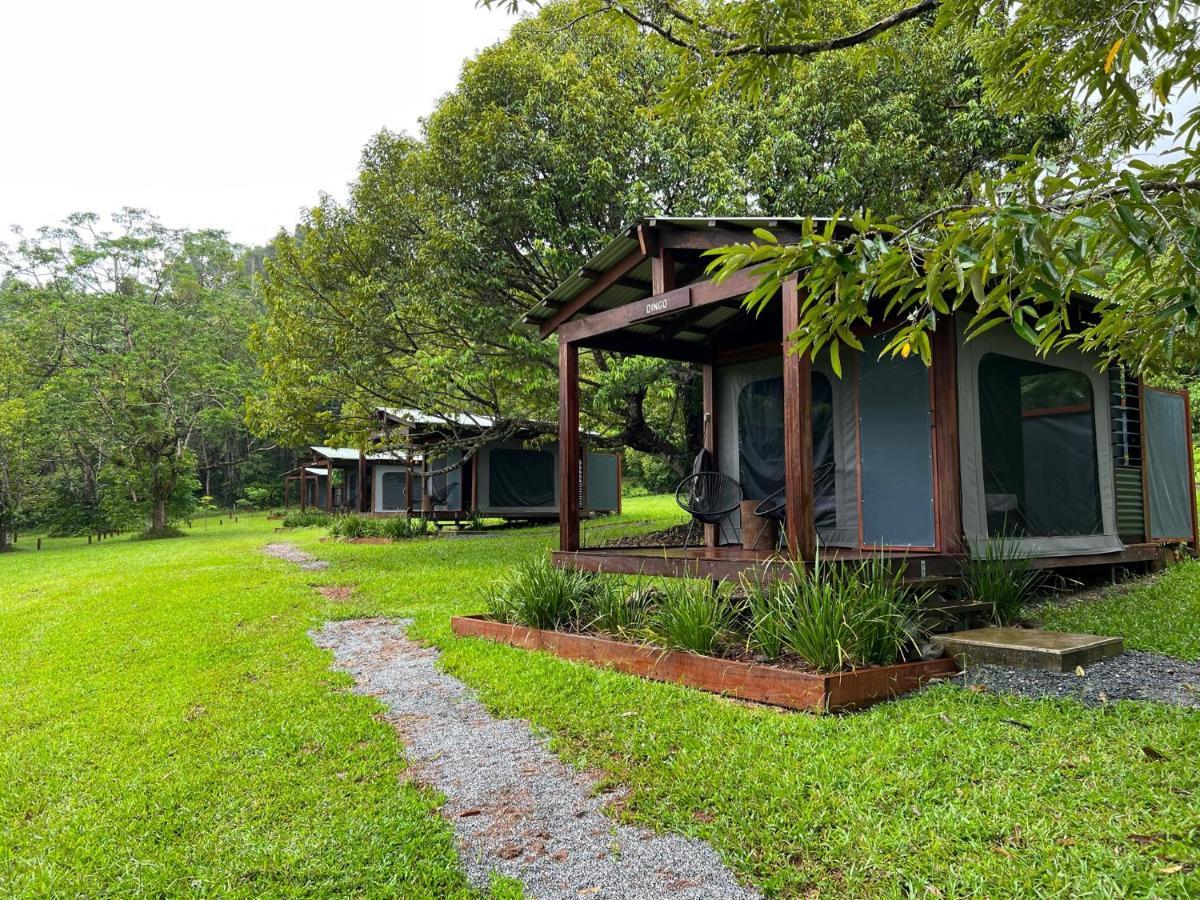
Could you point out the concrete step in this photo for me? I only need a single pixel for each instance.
(941, 613)
(1028, 648)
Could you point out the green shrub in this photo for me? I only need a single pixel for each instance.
(310, 518)
(883, 610)
(401, 528)
(538, 594)
(692, 616)
(834, 617)
(617, 611)
(815, 621)
(766, 613)
(1003, 578)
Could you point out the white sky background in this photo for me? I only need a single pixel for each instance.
(214, 114)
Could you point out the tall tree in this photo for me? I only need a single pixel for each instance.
(136, 340)
(1116, 220)
(410, 294)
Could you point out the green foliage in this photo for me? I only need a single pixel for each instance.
(617, 610)
(691, 615)
(550, 144)
(309, 518)
(538, 594)
(1020, 239)
(1002, 577)
(834, 616)
(130, 347)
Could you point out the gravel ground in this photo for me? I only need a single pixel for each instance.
(1131, 676)
(516, 809)
(294, 554)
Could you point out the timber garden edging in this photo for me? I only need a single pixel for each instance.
(757, 682)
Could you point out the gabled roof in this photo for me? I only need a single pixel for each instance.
(634, 284)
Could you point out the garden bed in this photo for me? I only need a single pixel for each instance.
(760, 683)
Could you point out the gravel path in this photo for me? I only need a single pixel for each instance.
(1131, 676)
(515, 808)
(294, 554)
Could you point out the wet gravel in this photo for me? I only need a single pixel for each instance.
(515, 807)
(1131, 676)
(293, 554)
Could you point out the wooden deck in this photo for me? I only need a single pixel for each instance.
(729, 562)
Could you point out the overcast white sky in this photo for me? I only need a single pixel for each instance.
(221, 114)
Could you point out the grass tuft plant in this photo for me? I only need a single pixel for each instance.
(692, 615)
(833, 617)
(538, 594)
(618, 611)
(1003, 578)
(309, 518)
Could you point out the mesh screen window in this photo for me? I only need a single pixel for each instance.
(761, 443)
(1039, 449)
(521, 478)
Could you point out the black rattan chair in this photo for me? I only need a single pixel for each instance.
(774, 506)
(710, 498)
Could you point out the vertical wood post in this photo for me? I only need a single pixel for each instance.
(947, 476)
(361, 500)
(710, 434)
(303, 490)
(408, 485)
(329, 485)
(797, 433)
(568, 446)
(662, 272)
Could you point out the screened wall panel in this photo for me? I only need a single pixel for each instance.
(1168, 465)
(750, 408)
(603, 491)
(896, 447)
(1041, 477)
(1035, 447)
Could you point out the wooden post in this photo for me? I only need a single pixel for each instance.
(475, 481)
(408, 485)
(662, 272)
(797, 433)
(947, 478)
(620, 481)
(710, 434)
(568, 446)
(303, 490)
(39, 544)
(329, 485)
(361, 500)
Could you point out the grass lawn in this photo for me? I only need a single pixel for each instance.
(1161, 615)
(167, 727)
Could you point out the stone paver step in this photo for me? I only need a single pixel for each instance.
(1028, 648)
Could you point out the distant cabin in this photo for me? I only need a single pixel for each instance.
(446, 469)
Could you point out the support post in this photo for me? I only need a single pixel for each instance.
(568, 446)
(710, 433)
(797, 432)
(408, 485)
(303, 490)
(329, 485)
(947, 471)
(362, 482)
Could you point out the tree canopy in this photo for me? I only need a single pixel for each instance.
(410, 293)
(125, 363)
(1114, 219)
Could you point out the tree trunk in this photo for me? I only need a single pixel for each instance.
(158, 514)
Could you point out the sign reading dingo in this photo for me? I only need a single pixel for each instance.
(663, 303)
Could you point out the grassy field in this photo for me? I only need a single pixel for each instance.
(1161, 614)
(167, 727)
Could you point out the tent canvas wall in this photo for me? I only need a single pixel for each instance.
(1050, 454)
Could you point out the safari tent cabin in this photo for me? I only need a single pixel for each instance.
(500, 470)
(342, 479)
(1069, 463)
